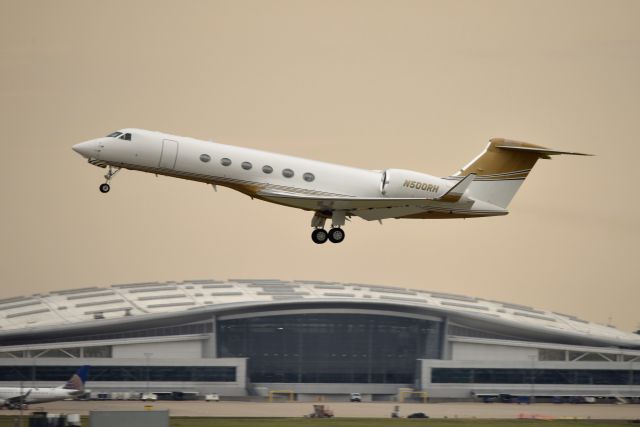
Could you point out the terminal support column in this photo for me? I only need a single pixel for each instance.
(210, 345)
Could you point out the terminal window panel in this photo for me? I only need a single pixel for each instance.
(121, 373)
(535, 376)
(330, 348)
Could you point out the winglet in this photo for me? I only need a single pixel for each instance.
(455, 193)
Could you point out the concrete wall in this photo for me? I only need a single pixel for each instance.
(161, 350)
(319, 389)
(472, 351)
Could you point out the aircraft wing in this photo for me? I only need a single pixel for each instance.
(348, 203)
(331, 203)
(16, 400)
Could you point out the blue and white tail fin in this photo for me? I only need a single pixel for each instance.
(77, 380)
(502, 168)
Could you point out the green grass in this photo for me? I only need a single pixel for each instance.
(377, 422)
(357, 422)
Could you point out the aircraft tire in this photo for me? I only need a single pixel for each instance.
(104, 188)
(319, 236)
(336, 235)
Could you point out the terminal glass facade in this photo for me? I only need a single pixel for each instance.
(534, 376)
(121, 373)
(330, 348)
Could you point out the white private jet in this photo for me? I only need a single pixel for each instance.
(484, 187)
(13, 397)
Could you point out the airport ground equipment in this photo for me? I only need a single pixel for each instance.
(288, 393)
(403, 394)
(321, 411)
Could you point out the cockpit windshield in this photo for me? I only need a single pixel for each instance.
(120, 135)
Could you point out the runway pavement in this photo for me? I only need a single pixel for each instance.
(346, 409)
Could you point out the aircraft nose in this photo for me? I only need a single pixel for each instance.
(86, 149)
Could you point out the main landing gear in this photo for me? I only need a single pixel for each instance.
(335, 234)
(111, 172)
(320, 235)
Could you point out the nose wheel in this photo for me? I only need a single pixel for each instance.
(111, 172)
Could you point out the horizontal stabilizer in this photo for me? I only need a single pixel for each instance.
(543, 152)
(455, 193)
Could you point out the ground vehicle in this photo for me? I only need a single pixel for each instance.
(355, 397)
(418, 415)
(212, 398)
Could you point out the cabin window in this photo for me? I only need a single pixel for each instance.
(246, 165)
(308, 176)
(225, 162)
(267, 169)
(287, 173)
(205, 157)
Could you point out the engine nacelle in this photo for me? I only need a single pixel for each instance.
(402, 183)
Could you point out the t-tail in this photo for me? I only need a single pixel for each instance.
(502, 168)
(77, 380)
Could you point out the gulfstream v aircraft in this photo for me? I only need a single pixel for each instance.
(483, 187)
(13, 397)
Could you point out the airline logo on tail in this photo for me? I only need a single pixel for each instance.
(77, 380)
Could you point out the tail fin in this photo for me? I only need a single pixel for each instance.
(77, 380)
(502, 168)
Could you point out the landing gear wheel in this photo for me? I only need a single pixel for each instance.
(336, 235)
(319, 236)
(104, 188)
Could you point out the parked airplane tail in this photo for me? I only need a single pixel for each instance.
(77, 380)
(502, 168)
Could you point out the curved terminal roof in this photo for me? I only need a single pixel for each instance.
(95, 305)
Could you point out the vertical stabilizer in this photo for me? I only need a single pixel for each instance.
(502, 168)
(77, 380)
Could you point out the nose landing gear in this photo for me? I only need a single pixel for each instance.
(111, 172)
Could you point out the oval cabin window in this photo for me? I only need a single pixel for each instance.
(225, 162)
(205, 157)
(308, 176)
(246, 165)
(287, 173)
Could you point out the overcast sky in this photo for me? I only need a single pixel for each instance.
(417, 85)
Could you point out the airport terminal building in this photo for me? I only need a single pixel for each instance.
(249, 337)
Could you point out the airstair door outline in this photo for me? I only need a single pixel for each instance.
(169, 154)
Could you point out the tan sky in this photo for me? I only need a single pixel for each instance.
(411, 84)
